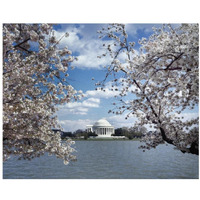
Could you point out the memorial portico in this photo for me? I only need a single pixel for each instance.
(101, 128)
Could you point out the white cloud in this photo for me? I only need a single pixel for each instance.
(78, 108)
(89, 59)
(89, 49)
(119, 121)
(73, 125)
(101, 94)
(132, 29)
(91, 103)
(88, 46)
(71, 41)
(188, 116)
(109, 91)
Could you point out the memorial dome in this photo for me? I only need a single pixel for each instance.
(102, 122)
(102, 128)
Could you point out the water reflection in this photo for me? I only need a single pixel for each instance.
(108, 160)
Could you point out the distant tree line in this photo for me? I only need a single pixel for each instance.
(130, 133)
(78, 134)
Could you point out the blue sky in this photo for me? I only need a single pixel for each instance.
(83, 41)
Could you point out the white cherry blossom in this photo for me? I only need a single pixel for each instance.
(33, 84)
(165, 74)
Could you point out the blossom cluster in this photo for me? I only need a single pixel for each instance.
(34, 82)
(165, 76)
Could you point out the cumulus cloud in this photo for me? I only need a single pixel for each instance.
(89, 59)
(73, 125)
(132, 29)
(188, 116)
(89, 103)
(107, 93)
(119, 121)
(78, 108)
(109, 90)
(84, 43)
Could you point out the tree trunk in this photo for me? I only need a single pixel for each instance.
(194, 149)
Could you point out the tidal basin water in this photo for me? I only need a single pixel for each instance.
(108, 160)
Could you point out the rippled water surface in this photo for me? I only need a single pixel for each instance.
(108, 160)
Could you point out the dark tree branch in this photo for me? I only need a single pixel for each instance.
(19, 46)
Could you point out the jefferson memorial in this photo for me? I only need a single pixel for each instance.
(102, 128)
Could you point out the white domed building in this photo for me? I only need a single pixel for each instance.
(102, 128)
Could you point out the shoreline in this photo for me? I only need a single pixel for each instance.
(103, 139)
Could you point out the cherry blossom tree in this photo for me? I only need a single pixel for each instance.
(34, 82)
(163, 78)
